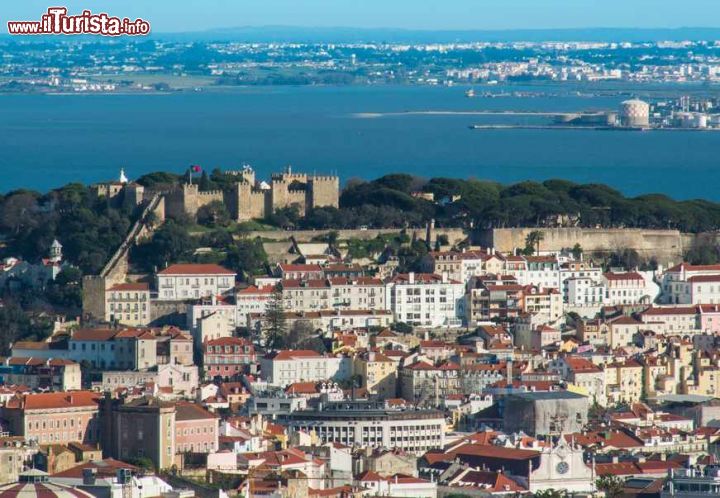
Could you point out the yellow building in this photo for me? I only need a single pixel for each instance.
(377, 372)
(623, 381)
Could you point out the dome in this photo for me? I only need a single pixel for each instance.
(35, 484)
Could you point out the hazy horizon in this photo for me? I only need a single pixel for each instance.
(171, 16)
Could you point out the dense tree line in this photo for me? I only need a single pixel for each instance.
(394, 200)
(89, 229)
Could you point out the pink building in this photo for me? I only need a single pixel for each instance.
(227, 356)
(196, 429)
(55, 418)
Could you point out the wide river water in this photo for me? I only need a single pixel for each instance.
(49, 140)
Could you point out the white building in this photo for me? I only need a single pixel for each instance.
(285, 367)
(541, 271)
(426, 299)
(193, 281)
(626, 288)
(211, 320)
(676, 288)
(252, 299)
(584, 292)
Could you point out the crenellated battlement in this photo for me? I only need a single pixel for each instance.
(246, 200)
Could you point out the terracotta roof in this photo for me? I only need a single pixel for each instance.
(623, 276)
(191, 411)
(195, 269)
(94, 334)
(292, 354)
(104, 468)
(68, 399)
(137, 286)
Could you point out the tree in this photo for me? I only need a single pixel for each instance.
(247, 257)
(274, 323)
(532, 242)
(170, 244)
(303, 336)
(213, 214)
(610, 484)
(551, 493)
(577, 251)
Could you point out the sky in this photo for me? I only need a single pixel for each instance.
(200, 15)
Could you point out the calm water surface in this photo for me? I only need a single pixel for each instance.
(47, 141)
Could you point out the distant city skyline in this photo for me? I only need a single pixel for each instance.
(200, 15)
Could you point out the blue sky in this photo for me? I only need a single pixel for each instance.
(192, 15)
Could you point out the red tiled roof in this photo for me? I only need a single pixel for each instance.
(94, 334)
(195, 269)
(68, 399)
(136, 286)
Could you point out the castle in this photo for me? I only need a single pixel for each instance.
(245, 200)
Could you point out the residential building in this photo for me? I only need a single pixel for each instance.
(626, 288)
(584, 292)
(424, 384)
(227, 357)
(54, 418)
(196, 429)
(129, 304)
(55, 374)
(676, 285)
(281, 368)
(377, 372)
(181, 282)
(426, 299)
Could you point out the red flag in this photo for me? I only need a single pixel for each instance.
(195, 168)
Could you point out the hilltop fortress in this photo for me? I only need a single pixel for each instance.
(247, 199)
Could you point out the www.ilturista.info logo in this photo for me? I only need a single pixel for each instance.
(56, 21)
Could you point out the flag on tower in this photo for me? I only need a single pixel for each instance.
(195, 168)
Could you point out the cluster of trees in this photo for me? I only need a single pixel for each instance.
(173, 243)
(88, 228)
(490, 204)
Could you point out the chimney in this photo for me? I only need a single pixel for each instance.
(444, 277)
(614, 459)
(411, 277)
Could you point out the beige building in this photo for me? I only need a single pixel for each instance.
(622, 330)
(377, 372)
(361, 293)
(623, 382)
(143, 427)
(427, 385)
(128, 304)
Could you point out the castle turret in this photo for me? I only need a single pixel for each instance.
(55, 251)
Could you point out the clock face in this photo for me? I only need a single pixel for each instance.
(562, 468)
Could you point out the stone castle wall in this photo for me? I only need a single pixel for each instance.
(245, 201)
(667, 246)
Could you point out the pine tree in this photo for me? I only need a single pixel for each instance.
(274, 323)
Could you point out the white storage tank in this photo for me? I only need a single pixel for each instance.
(635, 113)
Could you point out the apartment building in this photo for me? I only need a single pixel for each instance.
(182, 282)
(336, 293)
(129, 304)
(426, 299)
(626, 288)
(227, 356)
(54, 418)
(56, 374)
(285, 367)
(676, 288)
